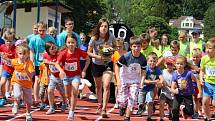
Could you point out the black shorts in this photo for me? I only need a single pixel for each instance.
(37, 70)
(166, 99)
(97, 70)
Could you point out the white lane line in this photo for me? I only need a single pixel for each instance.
(100, 117)
(22, 115)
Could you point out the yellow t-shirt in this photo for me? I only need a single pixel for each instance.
(43, 75)
(19, 75)
(147, 50)
(208, 64)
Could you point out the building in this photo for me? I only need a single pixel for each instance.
(188, 24)
(26, 15)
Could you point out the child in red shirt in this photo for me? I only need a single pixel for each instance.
(69, 59)
(7, 52)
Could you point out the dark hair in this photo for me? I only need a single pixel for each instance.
(145, 37)
(71, 36)
(175, 43)
(68, 19)
(167, 38)
(152, 55)
(48, 45)
(96, 31)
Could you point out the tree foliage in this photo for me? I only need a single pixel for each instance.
(209, 23)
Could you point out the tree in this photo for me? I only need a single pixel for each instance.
(160, 24)
(209, 23)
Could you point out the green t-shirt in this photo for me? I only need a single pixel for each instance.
(184, 49)
(208, 64)
(147, 50)
(164, 49)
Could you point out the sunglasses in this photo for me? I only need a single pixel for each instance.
(53, 47)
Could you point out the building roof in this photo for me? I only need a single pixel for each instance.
(61, 7)
(198, 24)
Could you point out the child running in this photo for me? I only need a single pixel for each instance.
(166, 95)
(182, 87)
(69, 58)
(50, 57)
(195, 61)
(153, 78)
(22, 79)
(130, 72)
(120, 50)
(7, 52)
(208, 72)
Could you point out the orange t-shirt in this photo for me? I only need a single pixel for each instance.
(43, 75)
(19, 75)
(115, 58)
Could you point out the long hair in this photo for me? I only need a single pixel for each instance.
(188, 66)
(96, 32)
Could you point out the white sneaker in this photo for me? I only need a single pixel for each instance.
(116, 106)
(92, 96)
(71, 116)
(7, 95)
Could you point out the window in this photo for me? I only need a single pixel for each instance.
(50, 23)
(187, 24)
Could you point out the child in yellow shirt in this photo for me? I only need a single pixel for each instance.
(22, 79)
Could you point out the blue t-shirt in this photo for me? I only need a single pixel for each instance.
(151, 75)
(196, 74)
(1, 41)
(37, 45)
(30, 37)
(184, 82)
(83, 47)
(61, 39)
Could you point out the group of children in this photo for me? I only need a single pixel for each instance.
(180, 73)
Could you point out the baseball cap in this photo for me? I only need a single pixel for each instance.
(212, 39)
(170, 60)
(196, 31)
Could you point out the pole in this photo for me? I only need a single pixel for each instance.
(14, 14)
(56, 14)
(38, 11)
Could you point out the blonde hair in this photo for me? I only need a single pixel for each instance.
(42, 25)
(210, 44)
(22, 48)
(196, 52)
(52, 29)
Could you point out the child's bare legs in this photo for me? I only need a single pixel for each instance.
(74, 93)
(51, 97)
(206, 106)
(150, 109)
(7, 89)
(162, 104)
(36, 89)
(2, 85)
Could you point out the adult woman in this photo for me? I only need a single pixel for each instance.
(102, 67)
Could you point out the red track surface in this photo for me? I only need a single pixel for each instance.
(85, 111)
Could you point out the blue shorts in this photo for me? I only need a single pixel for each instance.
(57, 83)
(209, 90)
(6, 74)
(69, 80)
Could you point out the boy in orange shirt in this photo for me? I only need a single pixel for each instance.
(22, 79)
